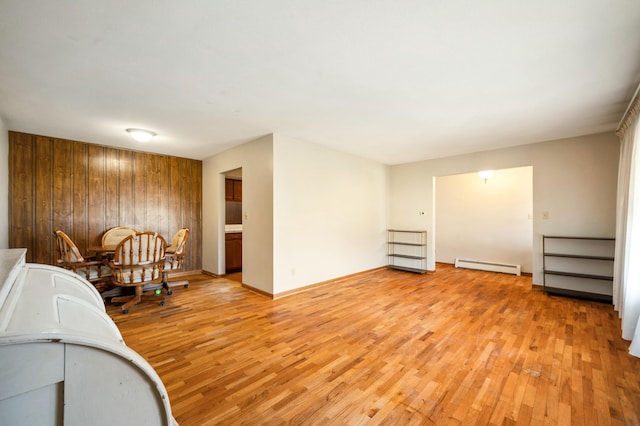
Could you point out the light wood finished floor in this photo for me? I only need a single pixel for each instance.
(454, 347)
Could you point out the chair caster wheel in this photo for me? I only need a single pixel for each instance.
(162, 303)
(125, 311)
(169, 292)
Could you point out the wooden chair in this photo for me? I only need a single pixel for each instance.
(175, 258)
(96, 272)
(113, 236)
(138, 260)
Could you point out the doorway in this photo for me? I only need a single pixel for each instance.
(233, 224)
(485, 219)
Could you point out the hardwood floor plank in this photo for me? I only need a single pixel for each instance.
(453, 347)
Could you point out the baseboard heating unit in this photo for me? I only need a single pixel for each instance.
(505, 268)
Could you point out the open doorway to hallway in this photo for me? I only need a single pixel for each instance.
(486, 219)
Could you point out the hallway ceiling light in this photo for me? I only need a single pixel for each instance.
(485, 174)
(141, 135)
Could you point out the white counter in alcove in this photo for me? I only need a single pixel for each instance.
(233, 228)
(63, 360)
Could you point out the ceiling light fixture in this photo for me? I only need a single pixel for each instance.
(141, 135)
(485, 174)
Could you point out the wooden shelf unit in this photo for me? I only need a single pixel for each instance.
(578, 266)
(407, 250)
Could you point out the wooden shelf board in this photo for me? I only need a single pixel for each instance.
(578, 294)
(577, 256)
(572, 274)
(408, 269)
(407, 244)
(407, 256)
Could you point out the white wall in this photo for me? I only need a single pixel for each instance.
(256, 160)
(4, 186)
(489, 222)
(330, 214)
(310, 214)
(314, 214)
(574, 180)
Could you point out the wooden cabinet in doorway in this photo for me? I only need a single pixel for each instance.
(233, 190)
(233, 251)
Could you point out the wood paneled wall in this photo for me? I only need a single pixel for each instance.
(85, 189)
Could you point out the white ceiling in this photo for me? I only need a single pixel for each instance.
(391, 80)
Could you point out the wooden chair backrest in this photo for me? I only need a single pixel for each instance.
(175, 253)
(139, 258)
(114, 235)
(179, 241)
(67, 250)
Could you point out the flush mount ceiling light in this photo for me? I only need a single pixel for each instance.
(485, 174)
(141, 135)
